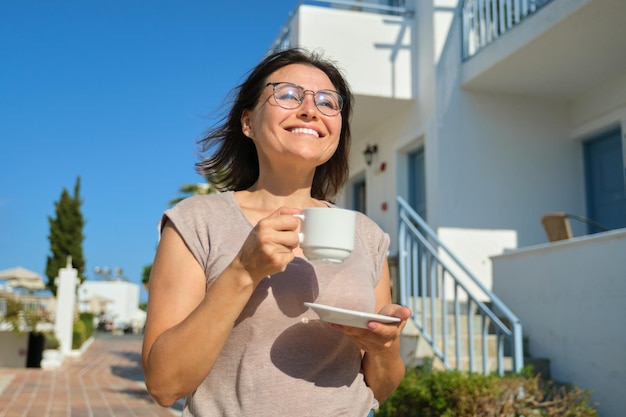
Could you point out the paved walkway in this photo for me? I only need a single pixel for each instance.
(105, 381)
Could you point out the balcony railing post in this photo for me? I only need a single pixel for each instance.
(485, 20)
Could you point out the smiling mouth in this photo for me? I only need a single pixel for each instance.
(305, 131)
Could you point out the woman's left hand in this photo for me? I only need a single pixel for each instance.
(379, 339)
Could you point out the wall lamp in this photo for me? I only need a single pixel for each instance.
(369, 153)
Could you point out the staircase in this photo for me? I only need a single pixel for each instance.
(455, 346)
(456, 320)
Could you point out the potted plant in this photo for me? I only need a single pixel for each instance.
(51, 343)
(52, 356)
(26, 324)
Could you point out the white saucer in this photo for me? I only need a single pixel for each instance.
(347, 317)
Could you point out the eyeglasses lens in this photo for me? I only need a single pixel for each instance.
(291, 96)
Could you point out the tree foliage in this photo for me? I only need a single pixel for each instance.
(145, 275)
(186, 190)
(66, 236)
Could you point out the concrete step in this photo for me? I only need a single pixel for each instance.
(451, 323)
(491, 341)
(415, 349)
(464, 364)
(423, 313)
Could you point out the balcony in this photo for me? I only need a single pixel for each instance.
(371, 43)
(560, 51)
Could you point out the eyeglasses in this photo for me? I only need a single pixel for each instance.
(290, 96)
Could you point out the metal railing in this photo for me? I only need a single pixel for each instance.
(485, 20)
(393, 7)
(448, 303)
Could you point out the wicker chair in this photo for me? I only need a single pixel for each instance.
(557, 225)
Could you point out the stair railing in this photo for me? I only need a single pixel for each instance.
(444, 296)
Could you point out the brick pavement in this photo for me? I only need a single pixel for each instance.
(105, 381)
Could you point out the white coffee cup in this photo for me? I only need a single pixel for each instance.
(327, 234)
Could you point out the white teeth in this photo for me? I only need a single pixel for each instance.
(305, 131)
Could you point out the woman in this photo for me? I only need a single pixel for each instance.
(226, 324)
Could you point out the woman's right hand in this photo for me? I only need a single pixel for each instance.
(269, 247)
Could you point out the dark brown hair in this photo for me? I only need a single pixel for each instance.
(232, 163)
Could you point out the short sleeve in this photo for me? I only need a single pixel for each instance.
(376, 242)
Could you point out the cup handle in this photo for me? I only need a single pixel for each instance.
(300, 235)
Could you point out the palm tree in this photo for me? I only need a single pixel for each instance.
(189, 190)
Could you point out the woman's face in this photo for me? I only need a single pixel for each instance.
(303, 136)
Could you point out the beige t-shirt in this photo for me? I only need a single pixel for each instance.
(280, 359)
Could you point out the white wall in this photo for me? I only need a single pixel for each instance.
(399, 134)
(600, 103)
(495, 163)
(374, 48)
(124, 296)
(443, 16)
(13, 349)
(504, 161)
(470, 247)
(570, 297)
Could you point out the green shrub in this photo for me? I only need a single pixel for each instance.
(87, 318)
(82, 330)
(78, 334)
(430, 393)
(51, 341)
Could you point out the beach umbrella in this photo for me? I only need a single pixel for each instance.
(22, 278)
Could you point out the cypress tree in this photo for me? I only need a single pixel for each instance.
(66, 236)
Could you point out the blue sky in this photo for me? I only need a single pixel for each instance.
(116, 92)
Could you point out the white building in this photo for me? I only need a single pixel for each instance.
(117, 299)
(486, 115)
